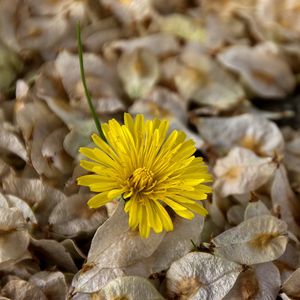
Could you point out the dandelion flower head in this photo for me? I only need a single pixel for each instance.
(150, 169)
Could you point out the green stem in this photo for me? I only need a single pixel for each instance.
(87, 94)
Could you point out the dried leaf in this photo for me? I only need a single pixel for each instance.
(174, 245)
(284, 198)
(256, 209)
(129, 11)
(139, 71)
(241, 171)
(11, 142)
(130, 288)
(114, 248)
(160, 44)
(257, 240)
(54, 253)
(52, 284)
(21, 290)
(235, 214)
(101, 81)
(12, 232)
(73, 217)
(262, 69)
(182, 26)
(23, 207)
(201, 276)
(291, 285)
(260, 282)
(36, 193)
(52, 149)
(249, 131)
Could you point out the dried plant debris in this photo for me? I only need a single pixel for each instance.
(129, 287)
(242, 171)
(201, 276)
(257, 240)
(226, 73)
(254, 284)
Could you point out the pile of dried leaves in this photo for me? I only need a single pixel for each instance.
(210, 67)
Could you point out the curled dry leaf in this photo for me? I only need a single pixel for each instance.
(101, 81)
(37, 194)
(43, 28)
(291, 286)
(21, 290)
(292, 152)
(73, 217)
(260, 282)
(11, 142)
(201, 276)
(52, 284)
(249, 131)
(183, 27)
(174, 245)
(22, 268)
(279, 19)
(10, 66)
(257, 240)
(162, 103)
(12, 232)
(235, 214)
(215, 212)
(52, 149)
(37, 122)
(129, 288)
(256, 209)
(114, 248)
(139, 71)
(79, 136)
(262, 69)
(242, 171)
(23, 207)
(289, 261)
(54, 253)
(5, 170)
(284, 198)
(160, 44)
(129, 11)
(202, 80)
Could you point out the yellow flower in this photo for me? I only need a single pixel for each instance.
(149, 169)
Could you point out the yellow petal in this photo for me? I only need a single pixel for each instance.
(98, 200)
(164, 216)
(199, 209)
(115, 193)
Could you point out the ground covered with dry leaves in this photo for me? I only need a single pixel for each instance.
(226, 72)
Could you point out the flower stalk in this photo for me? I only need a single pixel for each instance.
(86, 91)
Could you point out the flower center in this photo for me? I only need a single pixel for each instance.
(141, 179)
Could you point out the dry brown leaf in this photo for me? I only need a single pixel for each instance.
(291, 286)
(13, 232)
(73, 217)
(260, 282)
(52, 284)
(21, 290)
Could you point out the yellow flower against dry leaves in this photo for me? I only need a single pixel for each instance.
(150, 169)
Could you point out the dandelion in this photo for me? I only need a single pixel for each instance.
(149, 169)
